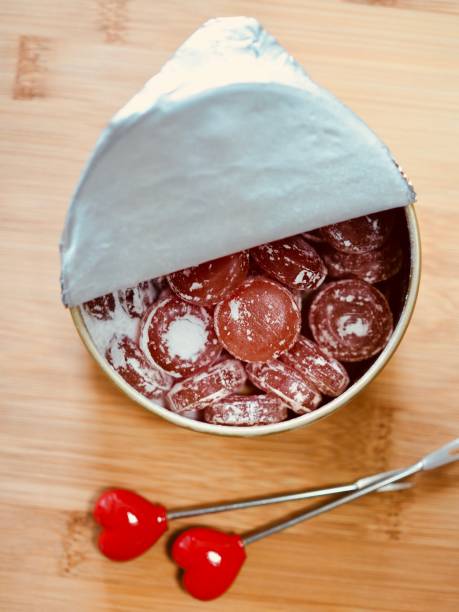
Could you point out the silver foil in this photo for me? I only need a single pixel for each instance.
(230, 145)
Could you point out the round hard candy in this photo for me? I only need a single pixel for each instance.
(258, 321)
(246, 410)
(220, 380)
(292, 262)
(179, 337)
(127, 359)
(210, 282)
(350, 320)
(314, 365)
(359, 235)
(279, 379)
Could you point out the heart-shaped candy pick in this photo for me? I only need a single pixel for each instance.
(131, 524)
(211, 560)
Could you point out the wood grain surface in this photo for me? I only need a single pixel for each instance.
(66, 433)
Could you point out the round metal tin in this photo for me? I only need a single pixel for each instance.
(300, 421)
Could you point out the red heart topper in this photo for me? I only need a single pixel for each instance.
(131, 524)
(211, 560)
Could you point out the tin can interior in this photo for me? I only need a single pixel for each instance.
(401, 292)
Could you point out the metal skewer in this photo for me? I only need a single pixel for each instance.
(442, 456)
(276, 499)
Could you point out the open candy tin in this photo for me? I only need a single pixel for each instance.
(230, 147)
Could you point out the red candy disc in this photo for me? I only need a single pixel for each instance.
(372, 267)
(246, 410)
(210, 282)
(217, 382)
(351, 320)
(359, 235)
(179, 337)
(128, 360)
(136, 300)
(259, 321)
(314, 365)
(279, 379)
(101, 308)
(293, 262)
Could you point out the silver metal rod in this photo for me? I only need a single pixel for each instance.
(276, 499)
(304, 516)
(260, 501)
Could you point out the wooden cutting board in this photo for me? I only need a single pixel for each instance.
(66, 432)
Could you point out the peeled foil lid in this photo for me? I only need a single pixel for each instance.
(229, 146)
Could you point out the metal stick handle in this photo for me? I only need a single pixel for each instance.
(276, 499)
(305, 516)
(260, 501)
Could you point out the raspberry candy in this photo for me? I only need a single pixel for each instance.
(279, 379)
(372, 267)
(217, 382)
(359, 235)
(210, 282)
(127, 359)
(314, 365)
(351, 320)
(292, 262)
(179, 337)
(258, 321)
(246, 410)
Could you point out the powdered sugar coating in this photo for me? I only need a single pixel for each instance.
(247, 410)
(179, 337)
(220, 380)
(127, 359)
(292, 262)
(373, 267)
(119, 323)
(350, 320)
(259, 321)
(313, 364)
(210, 282)
(277, 378)
(136, 300)
(359, 235)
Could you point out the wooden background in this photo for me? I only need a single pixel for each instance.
(66, 432)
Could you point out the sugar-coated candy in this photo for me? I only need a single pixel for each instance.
(179, 337)
(351, 320)
(246, 410)
(372, 267)
(221, 379)
(135, 301)
(127, 359)
(258, 321)
(314, 365)
(210, 282)
(292, 262)
(279, 379)
(359, 235)
(101, 308)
